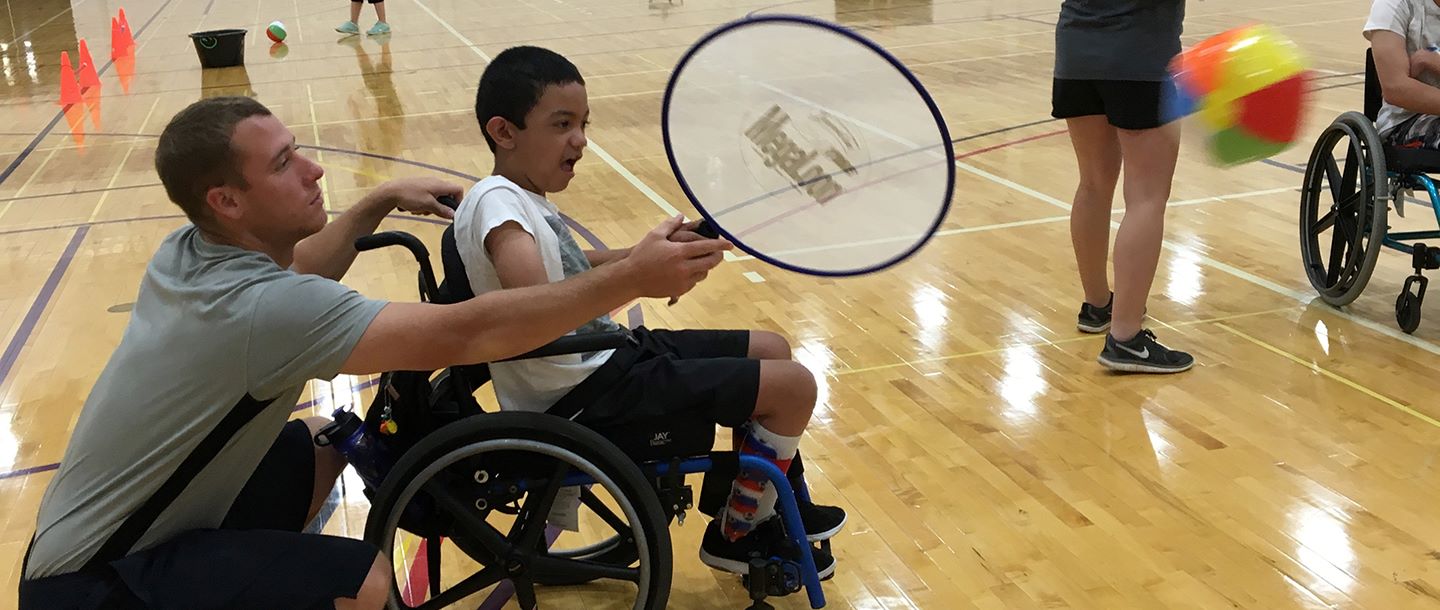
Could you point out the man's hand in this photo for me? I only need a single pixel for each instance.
(419, 195)
(662, 266)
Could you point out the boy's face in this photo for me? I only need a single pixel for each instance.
(554, 138)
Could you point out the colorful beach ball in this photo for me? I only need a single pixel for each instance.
(1249, 89)
(276, 31)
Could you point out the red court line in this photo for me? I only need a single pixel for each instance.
(1009, 143)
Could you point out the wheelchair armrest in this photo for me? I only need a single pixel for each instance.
(578, 344)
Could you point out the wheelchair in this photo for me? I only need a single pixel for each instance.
(477, 488)
(1361, 183)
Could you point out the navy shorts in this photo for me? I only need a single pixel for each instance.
(259, 558)
(701, 372)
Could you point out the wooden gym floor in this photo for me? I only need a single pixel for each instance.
(984, 457)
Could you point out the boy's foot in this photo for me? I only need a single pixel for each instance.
(1143, 354)
(348, 27)
(821, 522)
(1094, 319)
(379, 28)
(765, 541)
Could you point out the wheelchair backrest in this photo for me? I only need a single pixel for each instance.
(456, 287)
(1373, 96)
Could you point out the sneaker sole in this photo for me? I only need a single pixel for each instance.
(830, 533)
(1140, 367)
(1085, 328)
(742, 568)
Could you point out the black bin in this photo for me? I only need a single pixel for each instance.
(220, 48)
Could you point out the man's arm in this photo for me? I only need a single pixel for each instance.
(505, 323)
(600, 257)
(1397, 71)
(330, 252)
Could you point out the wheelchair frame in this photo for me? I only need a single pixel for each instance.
(1373, 176)
(761, 581)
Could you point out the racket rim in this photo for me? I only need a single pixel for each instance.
(751, 19)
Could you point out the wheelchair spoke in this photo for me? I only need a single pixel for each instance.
(524, 592)
(473, 525)
(1332, 177)
(589, 499)
(432, 562)
(1352, 171)
(1324, 224)
(530, 524)
(545, 565)
(475, 582)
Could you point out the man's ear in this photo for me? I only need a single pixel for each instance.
(502, 131)
(223, 202)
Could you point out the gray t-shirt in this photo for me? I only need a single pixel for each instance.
(1117, 39)
(211, 324)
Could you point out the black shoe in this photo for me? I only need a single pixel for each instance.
(1094, 319)
(1143, 354)
(765, 541)
(821, 522)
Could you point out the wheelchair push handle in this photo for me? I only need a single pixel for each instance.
(398, 238)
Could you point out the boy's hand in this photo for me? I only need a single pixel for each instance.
(664, 267)
(420, 195)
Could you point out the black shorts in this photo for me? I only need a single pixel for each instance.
(1128, 104)
(700, 372)
(258, 559)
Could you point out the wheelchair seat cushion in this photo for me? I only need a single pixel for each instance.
(662, 437)
(1412, 160)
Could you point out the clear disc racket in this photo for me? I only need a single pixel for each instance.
(807, 145)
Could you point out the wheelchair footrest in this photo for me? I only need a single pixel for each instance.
(771, 577)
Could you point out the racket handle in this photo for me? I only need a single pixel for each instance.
(705, 229)
(448, 202)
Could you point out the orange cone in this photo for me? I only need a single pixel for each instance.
(89, 79)
(114, 38)
(126, 31)
(69, 87)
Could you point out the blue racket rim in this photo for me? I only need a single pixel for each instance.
(878, 50)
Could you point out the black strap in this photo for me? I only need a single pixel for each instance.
(139, 522)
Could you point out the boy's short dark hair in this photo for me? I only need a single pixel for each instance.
(514, 81)
(194, 153)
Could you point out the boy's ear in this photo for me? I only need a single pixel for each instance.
(502, 131)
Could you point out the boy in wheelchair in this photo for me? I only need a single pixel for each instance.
(1404, 37)
(532, 107)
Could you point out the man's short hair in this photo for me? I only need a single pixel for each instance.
(194, 154)
(514, 81)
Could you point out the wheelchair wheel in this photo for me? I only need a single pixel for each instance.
(492, 481)
(1342, 209)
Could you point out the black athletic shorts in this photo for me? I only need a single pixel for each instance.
(258, 559)
(702, 372)
(1128, 104)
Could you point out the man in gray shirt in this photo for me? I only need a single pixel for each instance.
(183, 484)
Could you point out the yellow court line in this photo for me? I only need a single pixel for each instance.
(1354, 385)
(996, 350)
(22, 188)
(95, 213)
(319, 154)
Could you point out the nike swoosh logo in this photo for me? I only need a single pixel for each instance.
(1143, 354)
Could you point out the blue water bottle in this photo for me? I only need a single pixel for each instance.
(347, 433)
